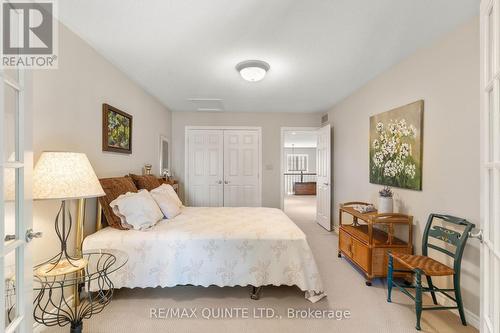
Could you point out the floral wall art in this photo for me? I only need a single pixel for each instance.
(396, 147)
(116, 130)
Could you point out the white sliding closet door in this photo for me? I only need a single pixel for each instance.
(241, 168)
(205, 168)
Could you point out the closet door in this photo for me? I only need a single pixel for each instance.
(205, 168)
(241, 168)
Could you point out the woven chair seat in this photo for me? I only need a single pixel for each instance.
(429, 266)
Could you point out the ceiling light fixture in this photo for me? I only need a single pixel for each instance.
(253, 70)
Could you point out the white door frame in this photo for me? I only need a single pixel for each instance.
(282, 162)
(247, 128)
(490, 165)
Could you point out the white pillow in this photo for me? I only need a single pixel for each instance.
(166, 188)
(167, 203)
(137, 211)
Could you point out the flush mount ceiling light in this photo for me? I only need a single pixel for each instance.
(253, 70)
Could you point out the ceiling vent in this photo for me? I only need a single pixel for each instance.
(207, 104)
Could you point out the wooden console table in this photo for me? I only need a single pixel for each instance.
(366, 241)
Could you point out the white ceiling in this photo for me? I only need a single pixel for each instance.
(300, 139)
(319, 50)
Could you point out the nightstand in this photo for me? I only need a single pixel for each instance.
(51, 305)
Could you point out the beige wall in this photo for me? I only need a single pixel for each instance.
(67, 116)
(446, 76)
(271, 139)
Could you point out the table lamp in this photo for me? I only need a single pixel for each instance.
(64, 176)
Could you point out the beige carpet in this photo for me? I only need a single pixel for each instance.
(130, 309)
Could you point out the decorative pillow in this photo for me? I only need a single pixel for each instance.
(114, 187)
(167, 204)
(167, 188)
(145, 182)
(137, 211)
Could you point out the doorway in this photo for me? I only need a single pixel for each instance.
(298, 171)
(305, 177)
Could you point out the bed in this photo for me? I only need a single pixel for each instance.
(222, 246)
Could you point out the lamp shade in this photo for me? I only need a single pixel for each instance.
(65, 175)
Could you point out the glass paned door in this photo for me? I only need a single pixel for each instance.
(15, 202)
(490, 170)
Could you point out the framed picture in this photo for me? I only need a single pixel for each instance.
(116, 130)
(396, 147)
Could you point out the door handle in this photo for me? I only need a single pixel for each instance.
(9, 238)
(478, 235)
(226, 182)
(219, 182)
(30, 234)
(326, 184)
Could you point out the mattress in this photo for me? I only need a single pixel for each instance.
(222, 246)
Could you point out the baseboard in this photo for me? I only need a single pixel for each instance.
(38, 328)
(472, 318)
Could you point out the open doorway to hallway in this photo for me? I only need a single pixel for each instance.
(298, 171)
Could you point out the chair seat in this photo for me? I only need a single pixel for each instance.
(427, 265)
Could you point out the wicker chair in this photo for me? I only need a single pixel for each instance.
(428, 267)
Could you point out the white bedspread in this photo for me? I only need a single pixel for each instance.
(215, 246)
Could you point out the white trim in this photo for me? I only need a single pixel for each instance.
(23, 214)
(12, 84)
(472, 318)
(223, 128)
(489, 165)
(14, 325)
(282, 153)
(186, 166)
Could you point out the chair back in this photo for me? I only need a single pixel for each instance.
(456, 238)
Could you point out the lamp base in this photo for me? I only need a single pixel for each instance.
(62, 267)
